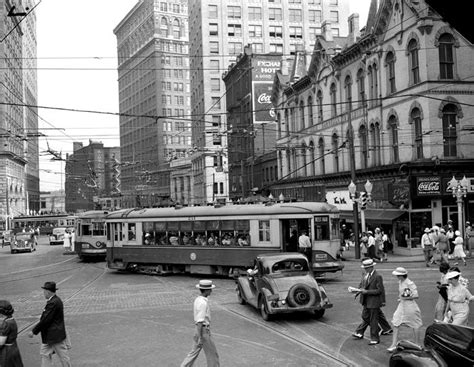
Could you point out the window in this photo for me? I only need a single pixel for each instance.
(375, 135)
(216, 102)
(446, 56)
(313, 32)
(319, 99)
(176, 29)
(234, 30)
(413, 62)
(315, 16)
(416, 118)
(214, 66)
(321, 156)
(334, 16)
(335, 148)
(235, 48)
(276, 47)
(296, 32)
(364, 147)
(234, 12)
(264, 230)
(361, 86)
(332, 93)
(275, 32)
(213, 29)
(216, 121)
(310, 111)
(163, 7)
(257, 48)
(390, 62)
(335, 32)
(302, 116)
(255, 13)
(295, 15)
(214, 47)
(164, 27)
(449, 130)
(255, 30)
(274, 14)
(213, 13)
(392, 123)
(215, 85)
(348, 91)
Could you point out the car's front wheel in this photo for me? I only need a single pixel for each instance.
(240, 299)
(263, 310)
(318, 314)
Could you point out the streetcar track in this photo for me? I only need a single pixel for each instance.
(36, 268)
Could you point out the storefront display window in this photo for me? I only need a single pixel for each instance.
(419, 221)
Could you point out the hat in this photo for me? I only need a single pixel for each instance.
(367, 263)
(457, 233)
(50, 286)
(452, 274)
(205, 284)
(6, 308)
(442, 230)
(435, 228)
(400, 271)
(370, 232)
(427, 230)
(468, 223)
(450, 221)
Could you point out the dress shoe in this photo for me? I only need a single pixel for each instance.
(387, 332)
(391, 349)
(374, 342)
(357, 336)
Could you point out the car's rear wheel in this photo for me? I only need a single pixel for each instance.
(240, 299)
(301, 295)
(318, 314)
(263, 310)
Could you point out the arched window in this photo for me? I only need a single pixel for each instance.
(371, 86)
(164, 27)
(375, 143)
(176, 29)
(413, 62)
(320, 106)
(361, 86)
(390, 62)
(364, 147)
(416, 118)
(302, 116)
(279, 124)
(293, 120)
(310, 110)
(449, 130)
(287, 122)
(332, 92)
(312, 163)
(304, 168)
(348, 90)
(393, 126)
(446, 56)
(321, 156)
(335, 149)
(288, 163)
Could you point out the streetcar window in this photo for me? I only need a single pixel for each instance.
(98, 228)
(335, 232)
(131, 232)
(264, 230)
(86, 230)
(321, 228)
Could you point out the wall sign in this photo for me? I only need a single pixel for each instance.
(428, 186)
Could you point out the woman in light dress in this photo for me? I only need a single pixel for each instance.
(442, 286)
(407, 312)
(458, 300)
(458, 248)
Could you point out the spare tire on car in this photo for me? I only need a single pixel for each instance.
(301, 295)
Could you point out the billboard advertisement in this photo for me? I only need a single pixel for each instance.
(263, 72)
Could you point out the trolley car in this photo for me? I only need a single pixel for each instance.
(45, 223)
(90, 239)
(221, 240)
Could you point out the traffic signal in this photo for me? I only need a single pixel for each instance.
(363, 200)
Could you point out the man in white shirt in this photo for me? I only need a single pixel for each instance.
(202, 336)
(427, 246)
(304, 244)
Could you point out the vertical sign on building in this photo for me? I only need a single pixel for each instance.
(263, 71)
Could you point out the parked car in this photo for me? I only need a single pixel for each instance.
(7, 237)
(445, 345)
(57, 237)
(282, 283)
(24, 242)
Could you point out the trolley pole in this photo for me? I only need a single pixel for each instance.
(353, 178)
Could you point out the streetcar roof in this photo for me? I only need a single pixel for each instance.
(227, 210)
(92, 214)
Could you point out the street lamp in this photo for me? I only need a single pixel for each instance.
(459, 189)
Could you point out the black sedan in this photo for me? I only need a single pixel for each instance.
(282, 283)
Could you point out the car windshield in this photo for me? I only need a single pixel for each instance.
(296, 265)
(23, 237)
(59, 230)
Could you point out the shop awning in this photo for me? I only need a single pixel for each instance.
(374, 215)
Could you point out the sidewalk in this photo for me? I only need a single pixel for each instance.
(349, 255)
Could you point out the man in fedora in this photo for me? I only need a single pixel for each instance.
(372, 297)
(202, 320)
(52, 329)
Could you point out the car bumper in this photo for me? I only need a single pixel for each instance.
(327, 267)
(287, 309)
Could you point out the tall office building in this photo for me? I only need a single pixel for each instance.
(153, 68)
(218, 31)
(19, 179)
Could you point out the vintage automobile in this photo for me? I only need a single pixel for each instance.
(57, 237)
(23, 242)
(282, 283)
(445, 345)
(7, 237)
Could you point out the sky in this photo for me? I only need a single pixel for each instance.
(77, 69)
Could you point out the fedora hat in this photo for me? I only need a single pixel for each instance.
(205, 284)
(367, 263)
(50, 286)
(427, 230)
(400, 271)
(452, 274)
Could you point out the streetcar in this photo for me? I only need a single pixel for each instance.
(218, 240)
(90, 239)
(45, 223)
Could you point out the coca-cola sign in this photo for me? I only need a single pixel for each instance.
(263, 108)
(428, 186)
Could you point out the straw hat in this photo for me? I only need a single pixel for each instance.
(452, 274)
(400, 271)
(205, 284)
(368, 263)
(427, 230)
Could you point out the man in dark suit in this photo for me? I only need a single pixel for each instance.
(372, 297)
(52, 329)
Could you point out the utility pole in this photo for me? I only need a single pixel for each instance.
(353, 178)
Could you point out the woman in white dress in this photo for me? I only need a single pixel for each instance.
(458, 300)
(407, 312)
(458, 248)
